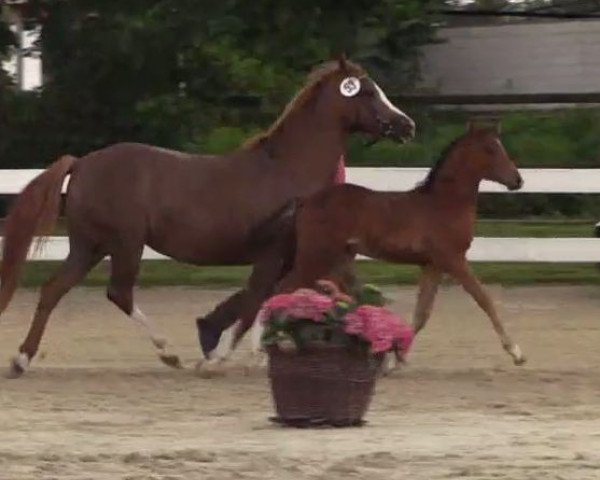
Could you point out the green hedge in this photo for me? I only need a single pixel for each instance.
(568, 138)
(554, 139)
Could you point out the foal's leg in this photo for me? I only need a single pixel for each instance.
(78, 263)
(428, 287)
(463, 274)
(429, 282)
(125, 264)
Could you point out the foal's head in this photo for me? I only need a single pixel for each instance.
(482, 149)
(361, 104)
(475, 156)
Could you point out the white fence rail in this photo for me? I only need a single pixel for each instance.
(484, 249)
(537, 180)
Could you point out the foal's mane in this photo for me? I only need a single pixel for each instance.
(314, 80)
(427, 184)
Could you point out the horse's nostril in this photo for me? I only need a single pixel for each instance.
(411, 127)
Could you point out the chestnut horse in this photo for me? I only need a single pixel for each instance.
(202, 210)
(431, 226)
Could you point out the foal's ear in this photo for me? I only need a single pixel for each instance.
(484, 124)
(343, 61)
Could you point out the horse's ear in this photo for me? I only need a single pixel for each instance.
(343, 61)
(492, 125)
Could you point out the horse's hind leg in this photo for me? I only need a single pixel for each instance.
(210, 328)
(125, 265)
(78, 263)
(463, 274)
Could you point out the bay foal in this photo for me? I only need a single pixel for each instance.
(431, 226)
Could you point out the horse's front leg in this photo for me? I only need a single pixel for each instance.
(464, 275)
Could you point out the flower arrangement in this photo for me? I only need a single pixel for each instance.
(307, 316)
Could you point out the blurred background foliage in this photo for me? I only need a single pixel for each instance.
(202, 76)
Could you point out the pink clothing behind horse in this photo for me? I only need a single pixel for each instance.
(340, 174)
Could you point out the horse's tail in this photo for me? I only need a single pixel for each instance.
(34, 212)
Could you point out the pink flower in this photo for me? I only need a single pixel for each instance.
(380, 327)
(355, 323)
(304, 303)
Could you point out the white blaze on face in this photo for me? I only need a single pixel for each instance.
(386, 101)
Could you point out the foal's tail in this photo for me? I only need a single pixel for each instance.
(34, 212)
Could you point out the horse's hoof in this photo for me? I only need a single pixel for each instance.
(172, 361)
(207, 336)
(14, 371)
(18, 366)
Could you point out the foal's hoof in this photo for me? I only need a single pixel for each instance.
(522, 360)
(159, 342)
(258, 364)
(516, 354)
(209, 369)
(172, 361)
(207, 336)
(389, 364)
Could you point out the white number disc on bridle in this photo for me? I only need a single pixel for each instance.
(350, 86)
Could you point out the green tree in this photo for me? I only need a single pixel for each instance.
(7, 41)
(169, 71)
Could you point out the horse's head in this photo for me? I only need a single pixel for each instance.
(483, 149)
(363, 106)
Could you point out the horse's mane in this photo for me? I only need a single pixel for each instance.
(314, 80)
(431, 177)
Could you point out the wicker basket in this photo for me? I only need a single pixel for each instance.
(322, 385)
